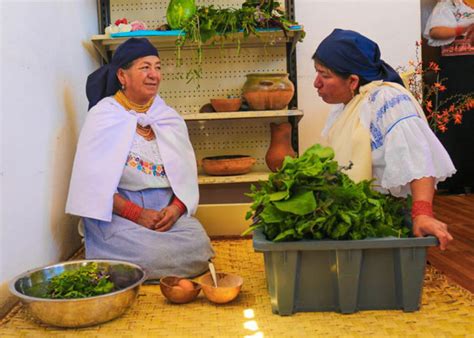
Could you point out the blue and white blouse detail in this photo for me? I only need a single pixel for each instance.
(144, 167)
(404, 147)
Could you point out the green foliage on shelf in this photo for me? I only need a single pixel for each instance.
(209, 22)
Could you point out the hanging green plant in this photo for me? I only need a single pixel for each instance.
(211, 22)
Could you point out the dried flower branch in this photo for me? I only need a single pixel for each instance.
(438, 112)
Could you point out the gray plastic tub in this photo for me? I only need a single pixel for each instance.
(344, 276)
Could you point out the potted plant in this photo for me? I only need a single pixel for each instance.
(331, 244)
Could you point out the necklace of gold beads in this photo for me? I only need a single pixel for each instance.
(146, 132)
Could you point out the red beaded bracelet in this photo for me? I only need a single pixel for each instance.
(421, 208)
(176, 201)
(458, 31)
(131, 211)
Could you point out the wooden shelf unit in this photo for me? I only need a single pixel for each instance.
(106, 43)
(244, 115)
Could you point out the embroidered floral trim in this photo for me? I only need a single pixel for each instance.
(390, 104)
(377, 136)
(148, 168)
(373, 96)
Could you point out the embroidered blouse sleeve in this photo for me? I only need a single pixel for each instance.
(404, 145)
(442, 15)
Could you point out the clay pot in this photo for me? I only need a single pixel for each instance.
(226, 105)
(227, 165)
(280, 145)
(228, 287)
(268, 91)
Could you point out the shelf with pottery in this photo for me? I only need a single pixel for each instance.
(244, 115)
(166, 40)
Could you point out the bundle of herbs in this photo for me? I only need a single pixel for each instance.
(311, 197)
(87, 281)
(210, 21)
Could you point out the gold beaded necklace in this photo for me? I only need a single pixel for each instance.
(146, 132)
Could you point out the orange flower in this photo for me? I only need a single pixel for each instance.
(439, 86)
(429, 106)
(451, 108)
(470, 104)
(457, 118)
(434, 66)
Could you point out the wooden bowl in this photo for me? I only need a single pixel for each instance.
(226, 105)
(175, 294)
(228, 287)
(227, 165)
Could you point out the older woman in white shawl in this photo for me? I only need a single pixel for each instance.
(134, 179)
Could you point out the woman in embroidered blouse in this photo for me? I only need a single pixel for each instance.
(379, 126)
(134, 179)
(451, 27)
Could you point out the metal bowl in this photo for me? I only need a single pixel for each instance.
(79, 312)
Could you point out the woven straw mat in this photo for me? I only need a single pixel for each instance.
(447, 310)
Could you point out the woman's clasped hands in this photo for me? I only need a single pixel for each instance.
(159, 220)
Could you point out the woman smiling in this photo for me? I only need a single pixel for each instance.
(134, 179)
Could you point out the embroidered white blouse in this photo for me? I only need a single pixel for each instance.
(144, 168)
(448, 13)
(403, 146)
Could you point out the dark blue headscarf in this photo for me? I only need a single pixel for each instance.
(349, 52)
(104, 82)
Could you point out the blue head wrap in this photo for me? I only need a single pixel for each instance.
(349, 52)
(104, 82)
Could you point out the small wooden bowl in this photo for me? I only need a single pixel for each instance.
(227, 165)
(175, 294)
(226, 105)
(228, 287)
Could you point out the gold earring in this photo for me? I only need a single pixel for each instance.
(352, 93)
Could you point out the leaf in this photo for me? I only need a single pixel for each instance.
(279, 195)
(272, 215)
(299, 204)
(288, 234)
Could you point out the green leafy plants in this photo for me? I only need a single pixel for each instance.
(211, 22)
(311, 197)
(87, 281)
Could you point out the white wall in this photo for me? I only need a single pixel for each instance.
(393, 24)
(45, 59)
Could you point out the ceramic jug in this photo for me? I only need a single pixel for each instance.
(268, 91)
(280, 145)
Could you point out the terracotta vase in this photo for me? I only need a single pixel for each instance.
(268, 91)
(280, 145)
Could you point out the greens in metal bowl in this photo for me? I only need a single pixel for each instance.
(79, 293)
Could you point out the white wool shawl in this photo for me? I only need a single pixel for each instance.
(103, 147)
